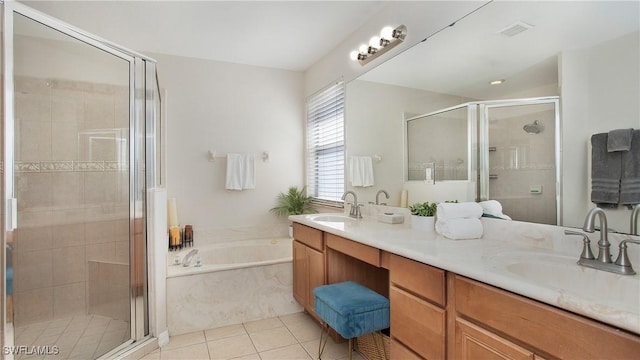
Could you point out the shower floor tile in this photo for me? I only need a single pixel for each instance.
(294, 336)
(80, 337)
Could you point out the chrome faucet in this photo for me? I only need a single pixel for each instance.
(186, 261)
(634, 220)
(622, 265)
(378, 194)
(604, 254)
(355, 208)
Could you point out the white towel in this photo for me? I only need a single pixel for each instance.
(240, 172)
(459, 229)
(493, 208)
(361, 171)
(446, 211)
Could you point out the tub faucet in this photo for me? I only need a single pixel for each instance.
(189, 257)
(378, 194)
(355, 208)
(604, 253)
(634, 220)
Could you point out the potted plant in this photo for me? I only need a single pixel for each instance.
(422, 215)
(294, 202)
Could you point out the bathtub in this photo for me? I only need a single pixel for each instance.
(237, 282)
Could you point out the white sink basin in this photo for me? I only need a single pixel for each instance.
(332, 218)
(564, 274)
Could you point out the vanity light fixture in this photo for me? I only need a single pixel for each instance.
(497, 82)
(378, 45)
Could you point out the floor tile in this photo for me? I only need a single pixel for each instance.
(224, 332)
(292, 352)
(177, 341)
(304, 330)
(265, 324)
(231, 347)
(272, 339)
(332, 350)
(191, 352)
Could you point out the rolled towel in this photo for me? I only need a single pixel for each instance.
(460, 229)
(493, 208)
(446, 211)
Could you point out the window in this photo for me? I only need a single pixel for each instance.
(325, 145)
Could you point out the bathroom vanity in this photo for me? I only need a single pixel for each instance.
(514, 294)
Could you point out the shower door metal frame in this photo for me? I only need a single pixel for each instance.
(483, 141)
(138, 73)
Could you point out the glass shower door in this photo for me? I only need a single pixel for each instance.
(71, 249)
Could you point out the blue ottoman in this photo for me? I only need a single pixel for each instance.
(351, 309)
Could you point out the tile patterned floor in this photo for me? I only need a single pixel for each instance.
(289, 337)
(78, 337)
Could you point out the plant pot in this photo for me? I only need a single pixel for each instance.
(423, 223)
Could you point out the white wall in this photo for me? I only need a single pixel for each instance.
(230, 108)
(600, 92)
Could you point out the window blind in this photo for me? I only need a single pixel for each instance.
(325, 145)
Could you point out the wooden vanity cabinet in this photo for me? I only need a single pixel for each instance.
(492, 323)
(418, 314)
(308, 265)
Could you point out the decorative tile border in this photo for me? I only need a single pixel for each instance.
(67, 166)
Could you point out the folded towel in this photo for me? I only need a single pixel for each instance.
(240, 172)
(361, 171)
(619, 140)
(630, 179)
(459, 229)
(446, 211)
(606, 170)
(493, 208)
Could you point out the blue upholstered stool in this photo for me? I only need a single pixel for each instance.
(350, 309)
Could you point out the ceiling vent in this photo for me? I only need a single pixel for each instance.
(515, 29)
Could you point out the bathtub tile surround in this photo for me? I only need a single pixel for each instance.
(293, 336)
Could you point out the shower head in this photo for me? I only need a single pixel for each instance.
(534, 128)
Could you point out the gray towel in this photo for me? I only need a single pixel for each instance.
(630, 180)
(619, 140)
(606, 170)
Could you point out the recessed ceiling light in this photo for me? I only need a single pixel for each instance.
(497, 82)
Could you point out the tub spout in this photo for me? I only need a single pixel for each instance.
(189, 257)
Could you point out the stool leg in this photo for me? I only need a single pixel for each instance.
(322, 344)
(351, 349)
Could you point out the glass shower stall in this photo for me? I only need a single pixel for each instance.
(79, 149)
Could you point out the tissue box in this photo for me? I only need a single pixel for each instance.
(391, 218)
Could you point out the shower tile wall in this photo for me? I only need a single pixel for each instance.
(522, 160)
(73, 195)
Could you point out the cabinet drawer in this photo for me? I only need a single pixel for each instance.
(308, 236)
(556, 332)
(418, 324)
(362, 252)
(418, 278)
(474, 342)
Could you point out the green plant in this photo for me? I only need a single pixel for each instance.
(423, 209)
(294, 202)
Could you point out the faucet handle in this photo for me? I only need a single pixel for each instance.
(623, 259)
(586, 245)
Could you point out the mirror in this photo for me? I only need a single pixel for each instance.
(586, 53)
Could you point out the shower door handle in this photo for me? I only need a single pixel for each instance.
(12, 214)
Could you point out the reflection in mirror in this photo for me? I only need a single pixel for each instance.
(585, 52)
(438, 146)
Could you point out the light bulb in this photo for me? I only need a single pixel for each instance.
(363, 49)
(374, 42)
(386, 33)
(353, 55)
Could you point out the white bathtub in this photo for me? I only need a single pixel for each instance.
(237, 282)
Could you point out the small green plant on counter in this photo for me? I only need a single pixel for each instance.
(294, 202)
(423, 209)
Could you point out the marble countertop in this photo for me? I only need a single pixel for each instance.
(534, 260)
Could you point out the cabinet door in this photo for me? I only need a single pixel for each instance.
(316, 274)
(473, 342)
(300, 278)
